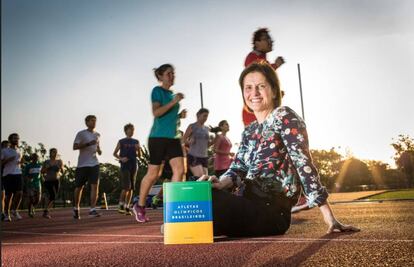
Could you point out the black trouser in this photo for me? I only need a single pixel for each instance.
(52, 188)
(249, 215)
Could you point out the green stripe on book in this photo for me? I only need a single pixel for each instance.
(187, 191)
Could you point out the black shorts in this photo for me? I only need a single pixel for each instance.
(128, 178)
(86, 174)
(161, 149)
(194, 161)
(52, 188)
(12, 183)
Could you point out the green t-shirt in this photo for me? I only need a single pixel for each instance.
(32, 171)
(164, 126)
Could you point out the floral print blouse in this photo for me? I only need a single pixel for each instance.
(275, 154)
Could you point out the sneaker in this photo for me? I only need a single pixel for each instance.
(128, 212)
(76, 214)
(7, 218)
(121, 209)
(155, 202)
(31, 213)
(139, 213)
(3, 216)
(162, 229)
(94, 213)
(46, 214)
(16, 215)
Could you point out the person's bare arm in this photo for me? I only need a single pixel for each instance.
(278, 62)
(187, 135)
(333, 224)
(43, 170)
(158, 110)
(22, 160)
(61, 166)
(117, 148)
(222, 183)
(138, 149)
(77, 146)
(98, 150)
(182, 114)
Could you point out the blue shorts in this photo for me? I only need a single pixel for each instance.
(194, 161)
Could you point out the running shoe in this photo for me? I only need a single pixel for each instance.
(139, 213)
(31, 212)
(128, 212)
(46, 214)
(94, 213)
(155, 202)
(76, 214)
(16, 215)
(7, 218)
(121, 209)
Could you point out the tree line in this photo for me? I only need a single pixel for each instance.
(337, 172)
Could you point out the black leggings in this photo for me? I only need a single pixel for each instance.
(236, 216)
(52, 188)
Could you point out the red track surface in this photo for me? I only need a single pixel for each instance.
(386, 239)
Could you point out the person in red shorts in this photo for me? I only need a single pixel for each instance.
(262, 44)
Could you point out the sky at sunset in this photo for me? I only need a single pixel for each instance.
(63, 60)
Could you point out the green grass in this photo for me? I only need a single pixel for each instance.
(402, 194)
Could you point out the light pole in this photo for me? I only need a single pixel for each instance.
(201, 95)
(301, 95)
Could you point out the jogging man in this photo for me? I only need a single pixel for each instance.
(12, 177)
(128, 149)
(33, 182)
(4, 144)
(262, 44)
(87, 142)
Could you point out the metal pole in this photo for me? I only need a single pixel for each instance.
(301, 95)
(201, 95)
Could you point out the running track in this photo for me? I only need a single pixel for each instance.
(386, 239)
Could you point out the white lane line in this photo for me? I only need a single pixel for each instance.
(227, 240)
(256, 240)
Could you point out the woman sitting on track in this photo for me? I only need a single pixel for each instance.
(273, 161)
